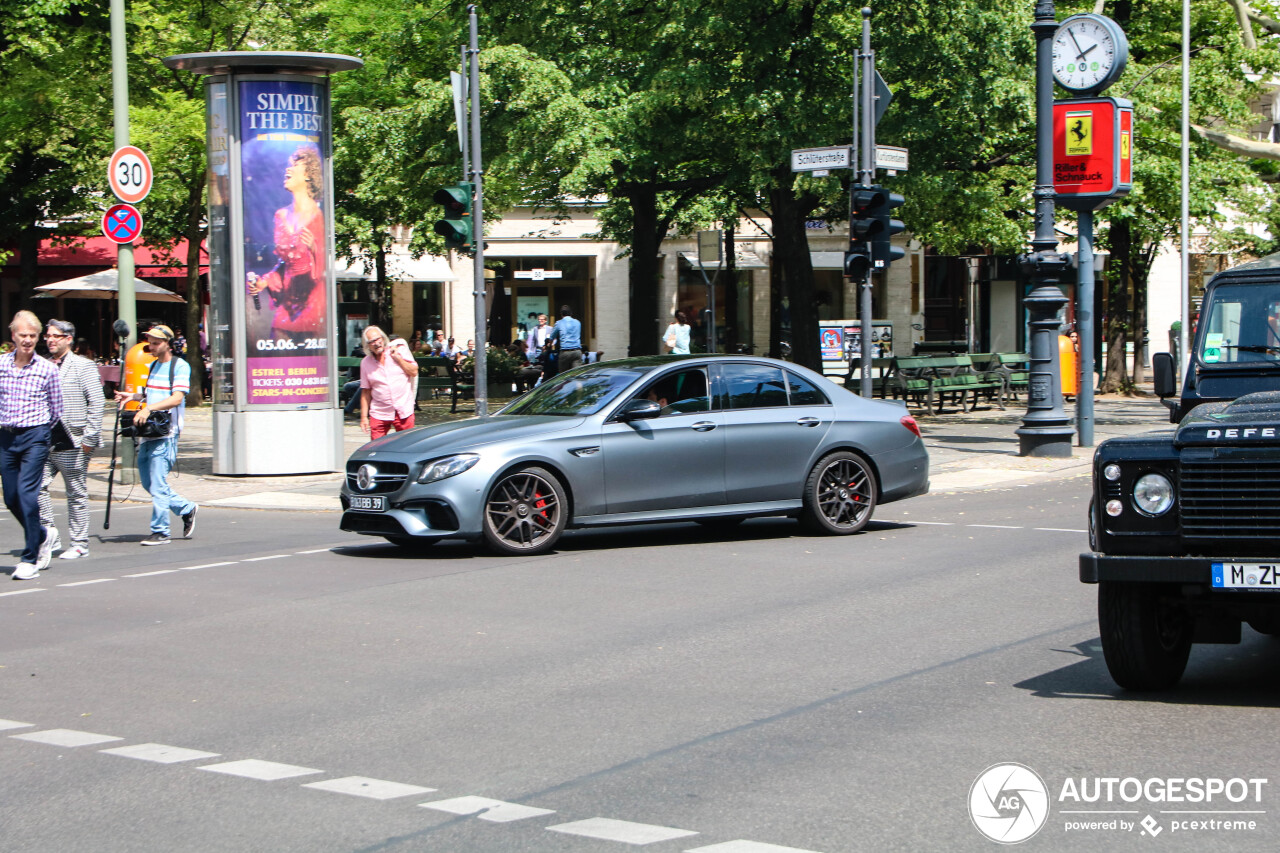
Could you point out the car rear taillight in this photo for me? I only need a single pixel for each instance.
(910, 423)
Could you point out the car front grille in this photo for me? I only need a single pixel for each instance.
(1231, 497)
(390, 477)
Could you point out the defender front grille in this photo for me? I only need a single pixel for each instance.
(1231, 498)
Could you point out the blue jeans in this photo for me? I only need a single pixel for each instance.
(155, 460)
(22, 458)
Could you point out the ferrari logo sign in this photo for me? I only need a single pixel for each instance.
(1079, 134)
(1092, 152)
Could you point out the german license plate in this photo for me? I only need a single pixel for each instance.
(1246, 576)
(369, 503)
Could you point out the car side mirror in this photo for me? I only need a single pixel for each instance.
(1164, 374)
(639, 410)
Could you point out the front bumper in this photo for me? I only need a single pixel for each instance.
(1185, 570)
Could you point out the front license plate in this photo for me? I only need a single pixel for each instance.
(1246, 576)
(369, 503)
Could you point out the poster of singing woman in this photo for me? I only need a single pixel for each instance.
(286, 257)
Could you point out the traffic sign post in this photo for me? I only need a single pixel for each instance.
(130, 174)
(122, 223)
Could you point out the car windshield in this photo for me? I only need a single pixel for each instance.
(1241, 325)
(579, 393)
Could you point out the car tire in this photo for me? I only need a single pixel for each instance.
(1146, 635)
(525, 512)
(410, 543)
(839, 495)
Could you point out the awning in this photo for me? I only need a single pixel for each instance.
(105, 285)
(744, 261)
(400, 268)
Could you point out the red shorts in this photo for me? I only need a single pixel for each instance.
(377, 428)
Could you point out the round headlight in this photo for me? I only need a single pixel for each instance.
(1153, 494)
(1111, 472)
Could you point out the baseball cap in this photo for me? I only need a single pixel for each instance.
(160, 331)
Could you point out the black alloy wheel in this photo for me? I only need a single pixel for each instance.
(525, 512)
(839, 495)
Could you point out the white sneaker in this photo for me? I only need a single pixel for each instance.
(46, 548)
(57, 540)
(75, 552)
(25, 572)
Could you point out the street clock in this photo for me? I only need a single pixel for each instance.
(1089, 53)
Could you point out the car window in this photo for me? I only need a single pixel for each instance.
(753, 386)
(679, 393)
(803, 392)
(577, 393)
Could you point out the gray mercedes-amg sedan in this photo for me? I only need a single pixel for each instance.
(710, 439)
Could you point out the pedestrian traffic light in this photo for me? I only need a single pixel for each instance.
(883, 252)
(457, 228)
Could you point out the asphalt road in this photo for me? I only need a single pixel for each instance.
(664, 687)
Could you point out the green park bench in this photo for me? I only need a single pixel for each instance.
(931, 380)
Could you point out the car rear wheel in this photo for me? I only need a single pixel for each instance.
(1146, 635)
(839, 495)
(525, 512)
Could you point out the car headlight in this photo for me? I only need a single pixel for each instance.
(449, 466)
(1153, 494)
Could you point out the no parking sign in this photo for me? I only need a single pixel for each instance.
(122, 223)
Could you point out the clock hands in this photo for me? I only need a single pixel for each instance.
(1072, 33)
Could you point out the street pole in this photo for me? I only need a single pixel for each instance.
(867, 177)
(1184, 314)
(1045, 429)
(126, 304)
(1084, 328)
(477, 214)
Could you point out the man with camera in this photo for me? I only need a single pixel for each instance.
(157, 425)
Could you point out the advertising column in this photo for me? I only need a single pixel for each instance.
(272, 291)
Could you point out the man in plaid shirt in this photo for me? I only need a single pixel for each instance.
(30, 403)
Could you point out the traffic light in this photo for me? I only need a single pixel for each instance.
(457, 228)
(863, 224)
(883, 252)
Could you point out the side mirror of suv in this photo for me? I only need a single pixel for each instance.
(1164, 374)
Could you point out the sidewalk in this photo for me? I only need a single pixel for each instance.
(970, 450)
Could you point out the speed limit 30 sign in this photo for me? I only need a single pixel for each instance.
(130, 174)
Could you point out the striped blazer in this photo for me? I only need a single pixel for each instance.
(81, 399)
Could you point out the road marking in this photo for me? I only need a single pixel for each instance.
(1059, 530)
(746, 847)
(151, 574)
(23, 591)
(5, 725)
(66, 737)
(314, 551)
(86, 583)
(206, 566)
(374, 789)
(625, 831)
(259, 559)
(495, 811)
(252, 768)
(996, 526)
(933, 523)
(159, 753)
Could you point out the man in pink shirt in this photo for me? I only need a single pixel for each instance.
(386, 384)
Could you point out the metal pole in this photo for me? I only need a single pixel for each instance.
(1045, 429)
(1084, 328)
(126, 304)
(867, 176)
(1185, 313)
(477, 213)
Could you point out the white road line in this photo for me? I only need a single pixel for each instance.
(746, 847)
(151, 574)
(66, 737)
(374, 789)
(159, 753)
(314, 551)
(997, 526)
(495, 811)
(625, 831)
(1060, 529)
(252, 768)
(23, 591)
(259, 559)
(5, 725)
(931, 523)
(86, 583)
(207, 566)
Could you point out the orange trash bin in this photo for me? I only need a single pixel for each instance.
(1068, 366)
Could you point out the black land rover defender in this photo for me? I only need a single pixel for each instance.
(1185, 522)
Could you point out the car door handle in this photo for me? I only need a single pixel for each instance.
(704, 426)
(808, 422)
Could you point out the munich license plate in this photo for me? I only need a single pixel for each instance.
(1246, 576)
(369, 503)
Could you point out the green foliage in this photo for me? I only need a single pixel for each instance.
(500, 365)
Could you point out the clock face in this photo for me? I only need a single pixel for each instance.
(1089, 53)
